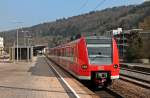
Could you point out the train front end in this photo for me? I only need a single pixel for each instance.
(103, 60)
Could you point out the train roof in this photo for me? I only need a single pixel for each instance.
(97, 37)
(86, 38)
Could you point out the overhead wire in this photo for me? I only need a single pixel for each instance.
(83, 5)
(99, 4)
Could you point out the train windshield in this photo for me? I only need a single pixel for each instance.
(100, 51)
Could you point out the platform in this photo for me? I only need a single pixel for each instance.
(36, 80)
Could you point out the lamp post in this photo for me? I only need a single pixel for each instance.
(26, 43)
(17, 53)
(17, 45)
(28, 47)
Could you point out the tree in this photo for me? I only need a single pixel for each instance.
(148, 52)
(134, 50)
(146, 24)
(146, 48)
(57, 40)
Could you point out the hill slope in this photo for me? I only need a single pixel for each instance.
(127, 17)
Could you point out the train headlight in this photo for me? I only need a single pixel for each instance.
(84, 66)
(116, 66)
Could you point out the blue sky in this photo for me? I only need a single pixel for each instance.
(24, 13)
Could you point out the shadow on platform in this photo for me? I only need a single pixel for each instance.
(40, 68)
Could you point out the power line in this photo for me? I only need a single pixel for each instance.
(99, 4)
(83, 5)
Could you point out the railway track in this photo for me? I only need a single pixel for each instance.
(135, 68)
(101, 92)
(136, 71)
(70, 91)
(140, 82)
(108, 93)
(137, 81)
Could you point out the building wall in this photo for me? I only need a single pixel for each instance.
(122, 42)
(24, 53)
(123, 37)
(145, 35)
(1, 45)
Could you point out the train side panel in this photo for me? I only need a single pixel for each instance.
(74, 58)
(115, 68)
(83, 64)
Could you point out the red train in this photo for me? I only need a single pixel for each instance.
(93, 58)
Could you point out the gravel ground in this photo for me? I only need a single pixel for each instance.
(129, 90)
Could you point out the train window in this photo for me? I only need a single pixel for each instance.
(60, 52)
(100, 51)
(68, 52)
(71, 52)
(64, 52)
(53, 52)
(56, 52)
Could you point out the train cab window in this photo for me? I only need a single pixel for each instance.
(99, 50)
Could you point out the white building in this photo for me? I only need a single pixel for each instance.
(2, 42)
(1, 45)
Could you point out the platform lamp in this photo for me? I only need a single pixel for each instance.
(17, 38)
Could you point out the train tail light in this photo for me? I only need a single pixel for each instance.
(84, 66)
(116, 66)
